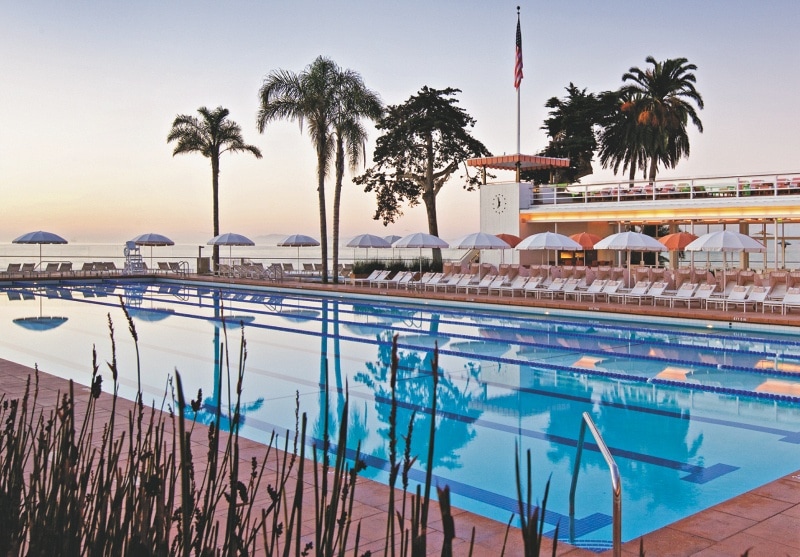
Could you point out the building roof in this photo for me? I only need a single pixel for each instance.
(525, 162)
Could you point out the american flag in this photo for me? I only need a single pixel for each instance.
(518, 60)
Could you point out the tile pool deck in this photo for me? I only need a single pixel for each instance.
(765, 520)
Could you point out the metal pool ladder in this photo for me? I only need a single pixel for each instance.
(616, 485)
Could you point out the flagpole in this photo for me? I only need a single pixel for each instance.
(517, 84)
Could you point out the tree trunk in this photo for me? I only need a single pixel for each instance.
(429, 197)
(653, 169)
(337, 199)
(215, 205)
(433, 226)
(323, 219)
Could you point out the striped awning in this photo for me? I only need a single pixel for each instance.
(525, 162)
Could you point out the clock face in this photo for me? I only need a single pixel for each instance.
(498, 203)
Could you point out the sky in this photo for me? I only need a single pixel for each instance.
(89, 89)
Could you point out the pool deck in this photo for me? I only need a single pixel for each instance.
(764, 521)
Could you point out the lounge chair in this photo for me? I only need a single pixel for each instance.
(790, 300)
(420, 282)
(467, 280)
(700, 296)
(516, 286)
(685, 291)
(51, 269)
(654, 289)
(531, 287)
(553, 289)
(28, 268)
(357, 281)
(480, 287)
(13, 269)
(500, 280)
(448, 283)
(738, 294)
(593, 290)
(65, 268)
(756, 296)
(401, 278)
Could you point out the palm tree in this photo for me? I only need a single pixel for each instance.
(622, 139)
(355, 102)
(311, 96)
(211, 135)
(662, 99)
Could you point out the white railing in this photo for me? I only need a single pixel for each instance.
(753, 185)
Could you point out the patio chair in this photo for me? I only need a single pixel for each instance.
(609, 289)
(382, 275)
(654, 289)
(532, 287)
(50, 269)
(553, 289)
(452, 282)
(419, 282)
(13, 269)
(756, 296)
(432, 282)
(700, 296)
(399, 278)
(686, 290)
(738, 294)
(593, 290)
(790, 300)
(515, 286)
(480, 287)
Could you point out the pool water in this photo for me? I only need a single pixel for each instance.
(692, 415)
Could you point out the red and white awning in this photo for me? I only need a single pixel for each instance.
(523, 162)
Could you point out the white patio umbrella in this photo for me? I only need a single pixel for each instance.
(549, 241)
(39, 237)
(298, 241)
(392, 238)
(480, 241)
(368, 241)
(420, 240)
(230, 239)
(726, 241)
(630, 241)
(152, 239)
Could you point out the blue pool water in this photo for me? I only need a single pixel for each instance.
(694, 415)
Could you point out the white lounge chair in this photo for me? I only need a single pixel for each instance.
(593, 290)
(791, 299)
(757, 295)
(700, 296)
(481, 287)
(686, 290)
(738, 294)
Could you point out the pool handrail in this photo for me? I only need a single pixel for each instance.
(616, 484)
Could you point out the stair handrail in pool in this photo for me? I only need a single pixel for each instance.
(616, 485)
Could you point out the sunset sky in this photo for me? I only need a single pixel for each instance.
(88, 91)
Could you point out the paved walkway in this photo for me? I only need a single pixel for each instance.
(765, 521)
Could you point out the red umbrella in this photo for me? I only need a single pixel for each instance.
(509, 239)
(586, 240)
(677, 241)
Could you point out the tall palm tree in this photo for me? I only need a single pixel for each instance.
(621, 139)
(355, 102)
(211, 135)
(664, 107)
(310, 96)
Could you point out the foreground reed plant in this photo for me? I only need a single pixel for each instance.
(72, 484)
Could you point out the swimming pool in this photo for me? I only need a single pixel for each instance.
(673, 402)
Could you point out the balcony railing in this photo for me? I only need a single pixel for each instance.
(664, 190)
